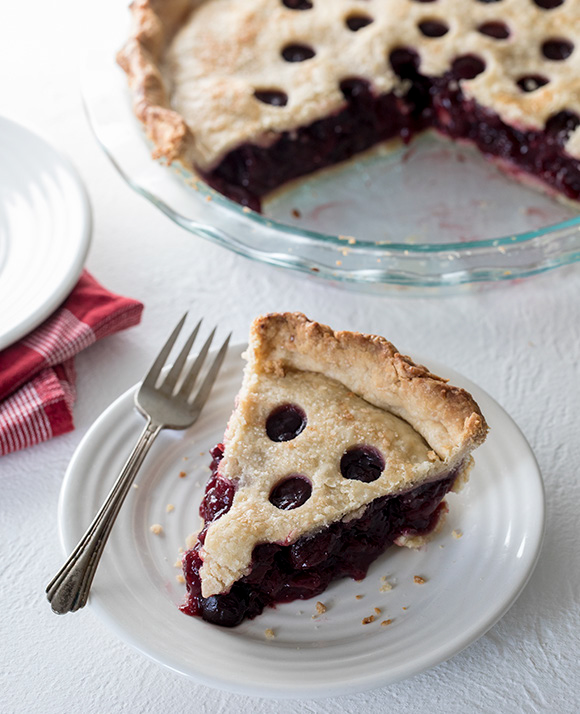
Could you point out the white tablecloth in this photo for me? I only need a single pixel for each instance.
(520, 342)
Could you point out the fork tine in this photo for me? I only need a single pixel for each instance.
(156, 367)
(191, 376)
(171, 380)
(210, 377)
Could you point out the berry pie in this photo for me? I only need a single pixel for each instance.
(250, 95)
(338, 447)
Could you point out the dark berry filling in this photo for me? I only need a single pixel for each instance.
(250, 172)
(304, 569)
(286, 422)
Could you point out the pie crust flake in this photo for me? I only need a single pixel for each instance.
(330, 430)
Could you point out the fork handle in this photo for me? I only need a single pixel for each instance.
(68, 591)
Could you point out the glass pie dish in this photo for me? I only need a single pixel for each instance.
(432, 216)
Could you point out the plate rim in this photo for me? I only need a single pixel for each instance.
(82, 245)
(317, 691)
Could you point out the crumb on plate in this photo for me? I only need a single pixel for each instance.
(386, 585)
(156, 529)
(320, 608)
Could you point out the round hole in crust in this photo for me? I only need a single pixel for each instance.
(404, 62)
(433, 28)
(292, 492)
(297, 53)
(285, 422)
(467, 66)
(362, 463)
(275, 97)
(549, 4)
(357, 22)
(297, 4)
(531, 82)
(557, 49)
(496, 29)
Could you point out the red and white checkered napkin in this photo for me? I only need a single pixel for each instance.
(37, 375)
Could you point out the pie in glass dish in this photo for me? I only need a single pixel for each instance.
(251, 95)
(338, 447)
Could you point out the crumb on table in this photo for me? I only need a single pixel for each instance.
(384, 623)
(359, 597)
(368, 620)
(182, 474)
(378, 610)
(419, 580)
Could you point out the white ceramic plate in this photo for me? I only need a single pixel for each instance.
(45, 227)
(471, 581)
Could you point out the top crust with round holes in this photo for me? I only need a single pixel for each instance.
(200, 69)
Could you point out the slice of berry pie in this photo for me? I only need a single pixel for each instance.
(338, 447)
(250, 95)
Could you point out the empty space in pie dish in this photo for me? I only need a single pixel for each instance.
(432, 191)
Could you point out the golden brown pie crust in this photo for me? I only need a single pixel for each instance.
(355, 389)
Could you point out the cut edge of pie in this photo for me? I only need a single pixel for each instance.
(515, 97)
(272, 504)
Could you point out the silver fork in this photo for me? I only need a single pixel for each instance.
(168, 405)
